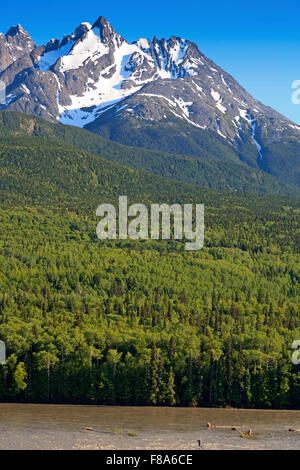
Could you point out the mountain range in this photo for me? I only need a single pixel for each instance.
(160, 94)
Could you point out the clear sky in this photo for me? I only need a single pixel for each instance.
(256, 41)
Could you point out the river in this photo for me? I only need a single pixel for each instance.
(27, 426)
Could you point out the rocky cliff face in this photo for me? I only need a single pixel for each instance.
(13, 45)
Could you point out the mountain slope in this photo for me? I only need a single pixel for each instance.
(48, 173)
(169, 116)
(208, 171)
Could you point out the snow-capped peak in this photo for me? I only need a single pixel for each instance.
(84, 76)
(110, 68)
(55, 49)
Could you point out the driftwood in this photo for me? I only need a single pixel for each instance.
(294, 430)
(233, 428)
(88, 428)
(247, 433)
(219, 426)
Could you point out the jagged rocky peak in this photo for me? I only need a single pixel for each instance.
(85, 41)
(57, 48)
(81, 30)
(14, 30)
(13, 45)
(176, 56)
(16, 35)
(107, 32)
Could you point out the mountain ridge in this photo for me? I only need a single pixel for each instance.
(93, 78)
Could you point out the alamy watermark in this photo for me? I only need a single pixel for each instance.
(296, 353)
(135, 223)
(2, 92)
(2, 353)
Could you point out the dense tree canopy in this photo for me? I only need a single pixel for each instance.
(142, 322)
(147, 322)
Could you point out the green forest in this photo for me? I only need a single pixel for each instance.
(211, 166)
(142, 322)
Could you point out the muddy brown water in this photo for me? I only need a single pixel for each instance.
(26, 426)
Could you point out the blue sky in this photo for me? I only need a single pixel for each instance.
(258, 42)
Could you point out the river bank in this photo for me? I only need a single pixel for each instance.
(26, 426)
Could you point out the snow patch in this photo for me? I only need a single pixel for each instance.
(25, 89)
(143, 43)
(104, 92)
(179, 103)
(91, 48)
(252, 122)
(216, 96)
(50, 58)
(227, 86)
(184, 105)
(9, 99)
(219, 129)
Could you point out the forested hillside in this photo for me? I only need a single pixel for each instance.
(211, 166)
(144, 322)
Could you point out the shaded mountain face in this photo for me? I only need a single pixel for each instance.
(159, 94)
